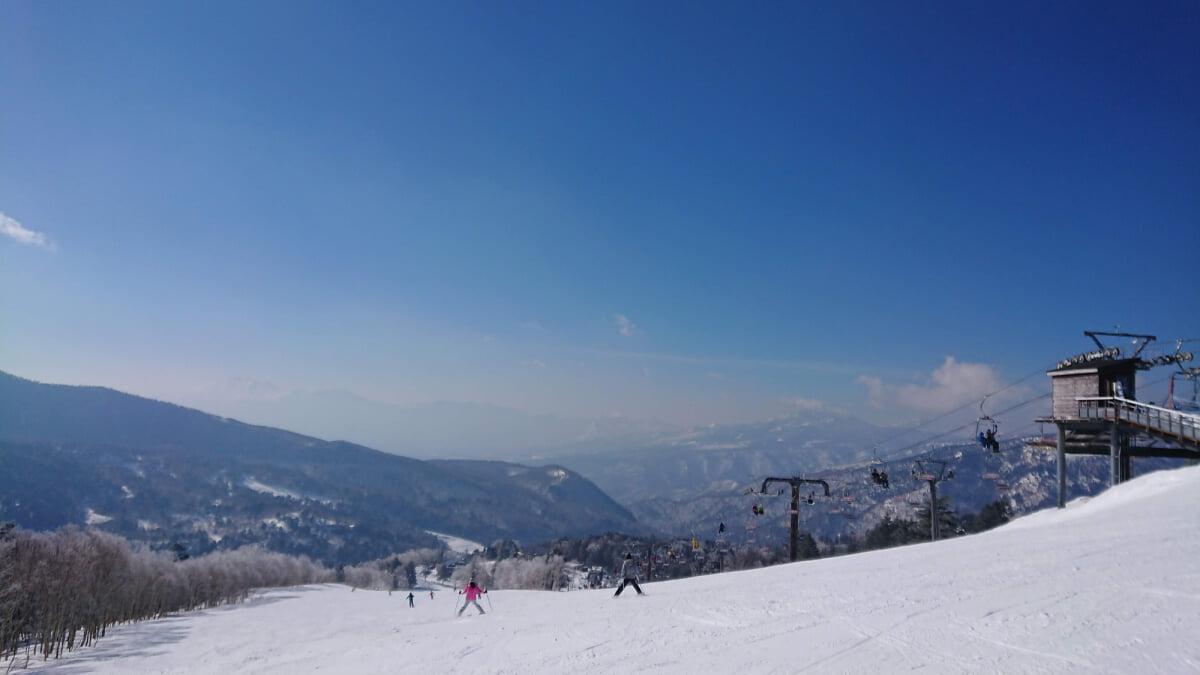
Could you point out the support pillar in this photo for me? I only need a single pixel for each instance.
(794, 514)
(1062, 465)
(1114, 453)
(935, 530)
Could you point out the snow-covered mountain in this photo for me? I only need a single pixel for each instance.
(1107, 585)
(1023, 474)
(681, 465)
(158, 473)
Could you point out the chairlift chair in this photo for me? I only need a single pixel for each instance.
(986, 429)
(879, 471)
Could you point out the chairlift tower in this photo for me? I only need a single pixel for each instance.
(794, 511)
(932, 471)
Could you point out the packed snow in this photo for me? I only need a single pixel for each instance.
(458, 544)
(1108, 585)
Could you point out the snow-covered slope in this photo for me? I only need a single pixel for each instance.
(1110, 585)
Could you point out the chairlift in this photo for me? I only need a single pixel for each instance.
(986, 429)
(879, 473)
(1002, 486)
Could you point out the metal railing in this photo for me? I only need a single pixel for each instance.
(1181, 425)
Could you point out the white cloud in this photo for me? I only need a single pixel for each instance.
(948, 386)
(801, 403)
(627, 327)
(11, 228)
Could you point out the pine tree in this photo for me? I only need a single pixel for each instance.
(947, 518)
(993, 514)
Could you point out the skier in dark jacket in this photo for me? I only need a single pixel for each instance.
(410, 599)
(628, 576)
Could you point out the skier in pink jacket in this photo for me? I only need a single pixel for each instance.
(473, 592)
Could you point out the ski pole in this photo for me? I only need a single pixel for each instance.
(456, 606)
(489, 599)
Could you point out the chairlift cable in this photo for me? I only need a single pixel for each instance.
(962, 407)
(894, 456)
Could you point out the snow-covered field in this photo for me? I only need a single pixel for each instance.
(1107, 586)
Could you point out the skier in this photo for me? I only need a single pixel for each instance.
(431, 594)
(473, 592)
(992, 443)
(410, 599)
(628, 576)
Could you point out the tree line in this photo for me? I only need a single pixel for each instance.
(63, 589)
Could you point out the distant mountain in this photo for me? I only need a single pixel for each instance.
(1023, 475)
(690, 483)
(157, 472)
(717, 457)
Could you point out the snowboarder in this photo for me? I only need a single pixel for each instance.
(473, 592)
(628, 576)
(410, 599)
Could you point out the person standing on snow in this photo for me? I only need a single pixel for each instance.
(410, 599)
(628, 576)
(473, 592)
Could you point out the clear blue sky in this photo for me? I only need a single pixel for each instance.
(688, 211)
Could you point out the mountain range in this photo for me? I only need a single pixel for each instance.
(159, 473)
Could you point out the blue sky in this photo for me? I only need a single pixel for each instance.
(693, 212)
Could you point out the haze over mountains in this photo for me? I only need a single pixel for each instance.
(161, 473)
(462, 430)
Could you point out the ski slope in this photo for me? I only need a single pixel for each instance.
(1110, 585)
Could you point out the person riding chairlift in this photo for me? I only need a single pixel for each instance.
(880, 477)
(991, 442)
